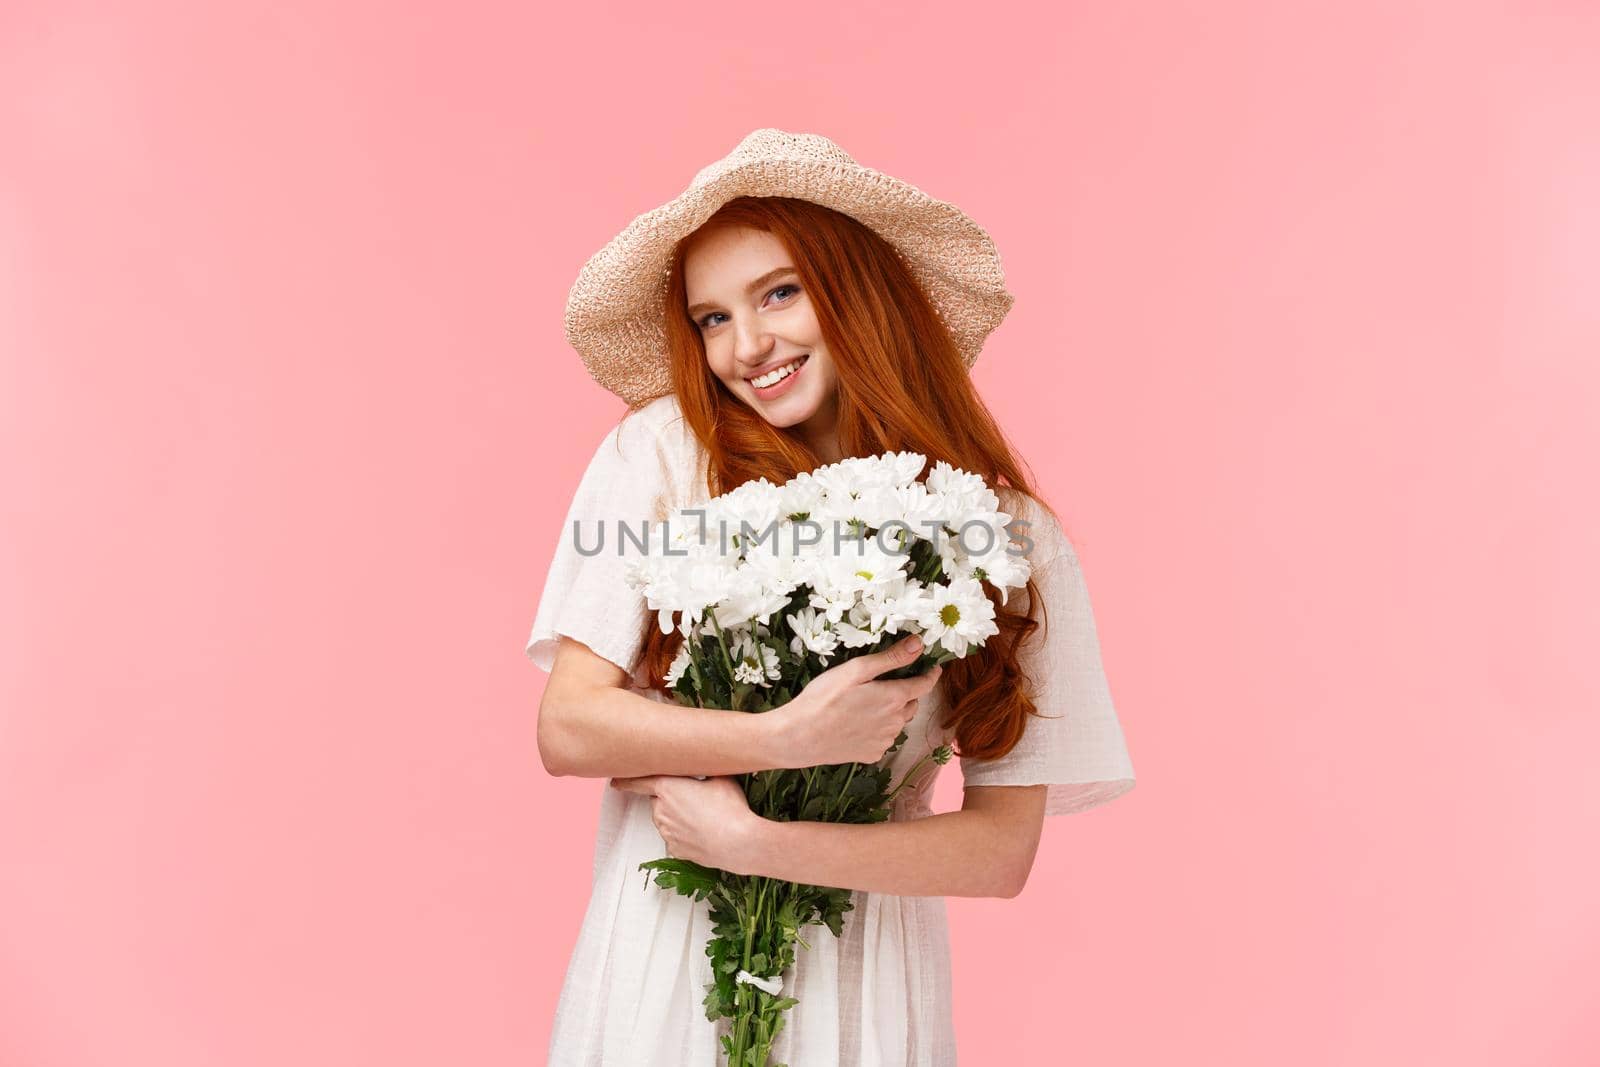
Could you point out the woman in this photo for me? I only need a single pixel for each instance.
(791, 308)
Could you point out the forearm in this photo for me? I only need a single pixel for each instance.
(951, 854)
(614, 733)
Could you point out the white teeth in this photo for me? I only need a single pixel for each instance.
(775, 376)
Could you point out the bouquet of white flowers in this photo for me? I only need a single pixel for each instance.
(771, 585)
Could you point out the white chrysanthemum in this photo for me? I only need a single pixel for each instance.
(643, 570)
(957, 615)
(781, 563)
(747, 596)
(771, 665)
(898, 609)
(979, 535)
(848, 511)
(870, 491)
(860, 570)
(855, 473)
(832, 603)
(750, 498)
(975, 532)
(680, 663)
(812, 633)
(690, 586)
(758, 663)
(1001, 568)
(862, 626)
(679, 570)
(861, 567)
(959, 485)
(757, 504)
(873, 506)
(687, 531)
(914, 506)
(799, 495)
(903, 467)
(854, 636)
(952, 560)
(810, 537)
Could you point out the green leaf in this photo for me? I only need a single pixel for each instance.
(688, 878)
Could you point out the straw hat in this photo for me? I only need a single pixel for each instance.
(616, 310)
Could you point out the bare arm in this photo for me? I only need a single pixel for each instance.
(591, 726)
(984, 850)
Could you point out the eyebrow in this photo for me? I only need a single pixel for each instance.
(770, 276)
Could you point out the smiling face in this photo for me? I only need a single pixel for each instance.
(760, 331)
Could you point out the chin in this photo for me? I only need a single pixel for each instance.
(791, 412)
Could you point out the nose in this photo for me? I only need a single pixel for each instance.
(752, 344)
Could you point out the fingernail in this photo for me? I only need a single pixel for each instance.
(915, 644)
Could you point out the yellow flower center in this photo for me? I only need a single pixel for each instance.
(949, 614)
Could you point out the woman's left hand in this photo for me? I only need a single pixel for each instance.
(708, 821)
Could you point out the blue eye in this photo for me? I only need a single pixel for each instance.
(705, 320)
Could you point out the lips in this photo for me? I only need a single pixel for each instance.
(795, 363)
(783, 385)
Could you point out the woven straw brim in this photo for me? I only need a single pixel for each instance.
(616, 309)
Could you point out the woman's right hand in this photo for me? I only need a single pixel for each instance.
(845, 715)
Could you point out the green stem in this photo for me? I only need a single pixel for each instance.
(727, 659)
(907, 777)
(742, 994)
(832, 813)
(810, 776)
(762, 1040)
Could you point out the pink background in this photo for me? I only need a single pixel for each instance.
(1304, 347)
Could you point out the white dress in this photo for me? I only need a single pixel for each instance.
(879, 995)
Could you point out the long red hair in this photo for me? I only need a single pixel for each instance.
(903, 386)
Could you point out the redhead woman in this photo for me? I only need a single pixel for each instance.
(789, 309)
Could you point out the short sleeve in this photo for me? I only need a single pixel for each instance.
(1078, 750)
(586, 595)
